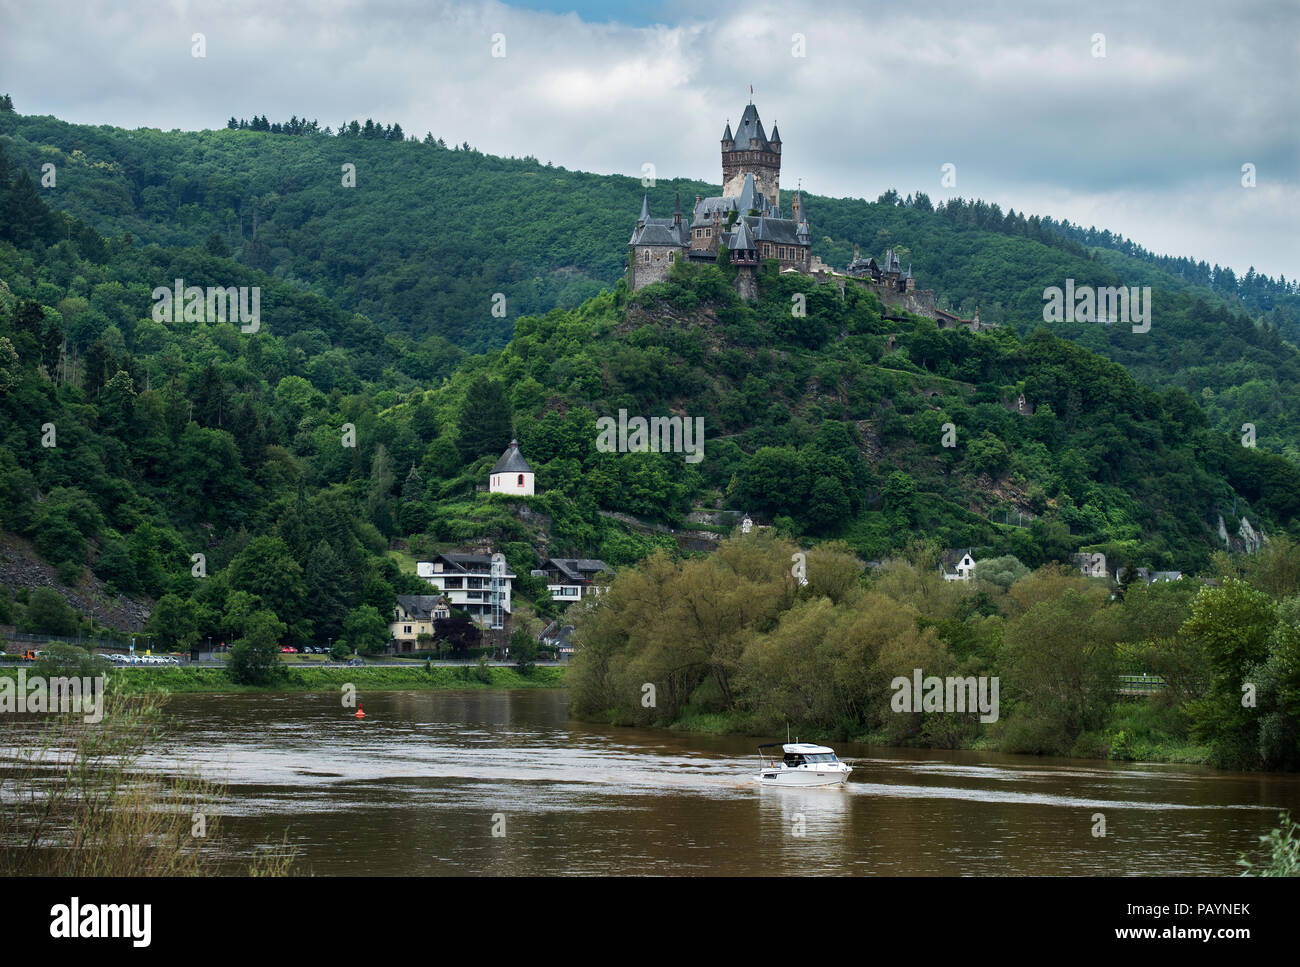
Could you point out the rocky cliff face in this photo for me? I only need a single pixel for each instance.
(21, 567)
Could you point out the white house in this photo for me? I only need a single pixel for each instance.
(512, 474)
(957, 566)
(572, 579)
(466, 580)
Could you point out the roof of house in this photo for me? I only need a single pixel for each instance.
(512, 461)
(953, 556)
(466, 563)
(577, 569)
(421, 606)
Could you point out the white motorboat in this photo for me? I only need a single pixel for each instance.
(801, 764)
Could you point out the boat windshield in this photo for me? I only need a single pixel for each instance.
(793, 759)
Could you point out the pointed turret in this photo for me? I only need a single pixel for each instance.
(742, 240)
(645, 211)
(748, 195)
(776, 135)
(726, 135)
(677, 208)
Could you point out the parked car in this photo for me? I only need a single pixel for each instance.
(353, 662)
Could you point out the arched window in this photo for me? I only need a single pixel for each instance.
(521, 480)
(647, 256)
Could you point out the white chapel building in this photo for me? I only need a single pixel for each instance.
(512, 474)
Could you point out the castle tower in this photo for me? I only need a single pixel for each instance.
(751, 152)
(744, 255)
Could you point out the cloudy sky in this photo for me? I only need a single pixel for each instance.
(1148, 141)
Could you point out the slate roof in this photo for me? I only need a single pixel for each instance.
(661, 231)
(778, 231)
(467, 563)
(421, 606)
(707, 206)
(741, 240)
(512, 461)
(577, 569)
(751, 129)
(951, 557)
(749, 196)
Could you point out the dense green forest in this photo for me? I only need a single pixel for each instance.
(429, 234)
(129, 445)
(734, 642)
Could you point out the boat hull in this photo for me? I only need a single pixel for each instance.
(800, 779)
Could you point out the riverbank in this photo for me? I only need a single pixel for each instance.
(186, 680)
(1134, 734)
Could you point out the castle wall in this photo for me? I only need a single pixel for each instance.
(642, 273)
(918, 301)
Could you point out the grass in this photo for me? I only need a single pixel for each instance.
(405, 561)
(181, 680)
(1143, 730)
(177, 681)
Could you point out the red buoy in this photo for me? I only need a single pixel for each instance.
(360, 712)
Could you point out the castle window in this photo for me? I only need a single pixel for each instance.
(672, 256)
(647, 256)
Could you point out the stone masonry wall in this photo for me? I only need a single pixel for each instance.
(642, 273)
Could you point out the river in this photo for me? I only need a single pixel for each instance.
(503, 782)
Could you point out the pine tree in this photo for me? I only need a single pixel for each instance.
(328, 589)
(413, 488)
(485, 421)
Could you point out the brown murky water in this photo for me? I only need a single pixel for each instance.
(417, 787)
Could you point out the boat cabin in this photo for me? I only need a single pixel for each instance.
(796, 754)
(805, 753)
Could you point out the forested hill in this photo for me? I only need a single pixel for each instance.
(429, 234)
(291, 457)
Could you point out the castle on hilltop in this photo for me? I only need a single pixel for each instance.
(746, 220)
